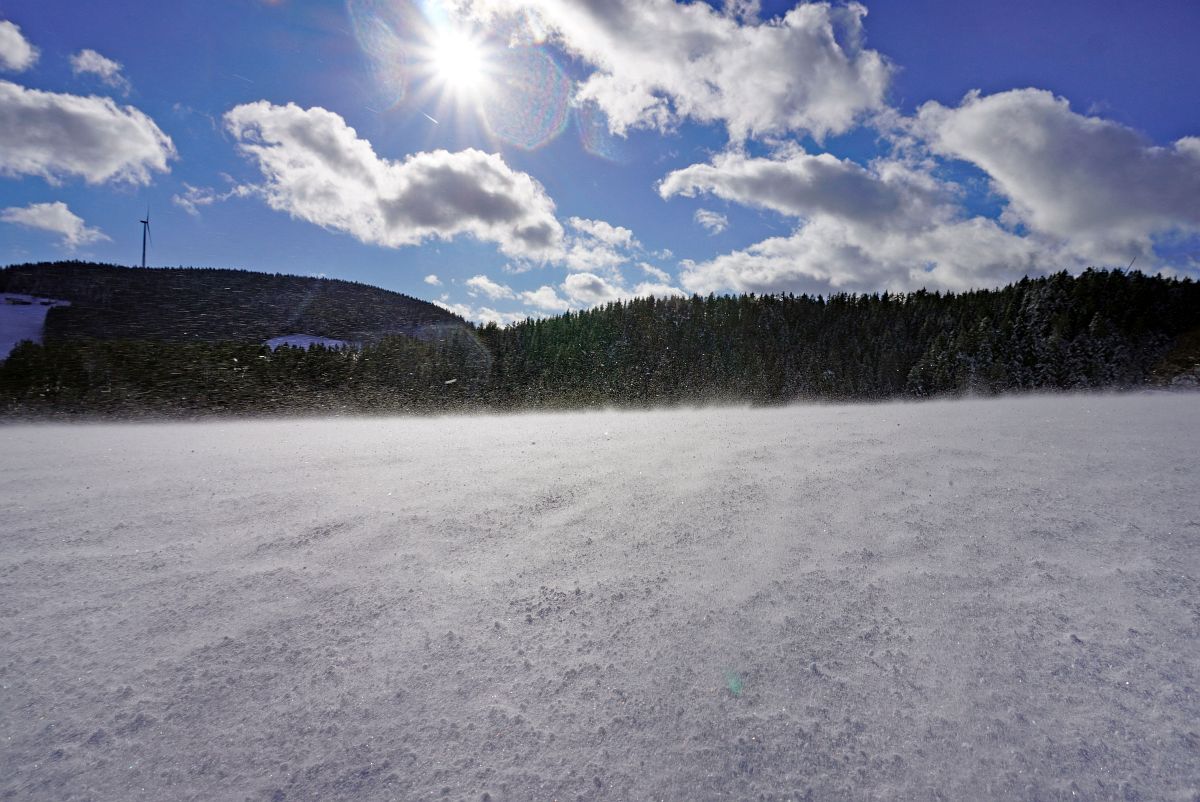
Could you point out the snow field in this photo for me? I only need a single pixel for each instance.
(977, 599)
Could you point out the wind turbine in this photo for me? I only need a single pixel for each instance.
(146, 234)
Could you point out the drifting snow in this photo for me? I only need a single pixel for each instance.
(964, 600)
(307, 341)
(23, 317)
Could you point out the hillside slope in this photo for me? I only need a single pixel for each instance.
(212, 305)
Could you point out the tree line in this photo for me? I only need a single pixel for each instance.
(1101, 329)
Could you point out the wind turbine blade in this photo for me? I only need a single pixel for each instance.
(148, 233)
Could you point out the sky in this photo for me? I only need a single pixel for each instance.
(514, 158)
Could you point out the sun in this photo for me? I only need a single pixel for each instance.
(458, 61)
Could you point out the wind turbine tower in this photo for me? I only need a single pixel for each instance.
(145, 234)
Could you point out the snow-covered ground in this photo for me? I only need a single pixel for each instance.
(994, 599)
(22, 317)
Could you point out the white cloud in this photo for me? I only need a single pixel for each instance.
(54, 135)
(588, 289)
(582, 290)
(89, 62)
(577, 291)
(614, 236)
(486, 314)
(829, 254)
(433, 280)
(56, 218)
(658, 62)
(584, 255)
(654, 272)
(489, 288)
(1081, 191)
(887, 226)
(1189, 145)
(799, 184)
(483, 314)
(546, 299)
(590, 246)
(715, 222)
(1091, 182)
(317, 169)
(16, 54)
(462, 310)
(598, 246)
(193, 198)
(659, 290)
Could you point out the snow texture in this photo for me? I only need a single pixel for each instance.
(22, 317)
(984, 599)
(307, 341)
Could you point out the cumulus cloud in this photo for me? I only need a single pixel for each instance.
(491, 289)
(433, 280)
(588, 289)
(483, 314)
(89, 62)
(16, 53)
(656, 273)
(658, 290)
(607, 233)
(192, 198)
(890, 225)
(827, 254)
(715, 222)
(1080, 191)
(594, 246)
(546, 299)
(1086, 180)
(658, 62)
(55, 135)
(577, 291)
(800, 184)
(316, 168)
(488, 315)
(55, 218)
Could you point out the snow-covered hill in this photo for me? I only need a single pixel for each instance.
(962, 600)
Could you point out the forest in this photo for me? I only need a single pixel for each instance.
(1100, 329)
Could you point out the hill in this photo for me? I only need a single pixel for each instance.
(216, 305)
(192, 341)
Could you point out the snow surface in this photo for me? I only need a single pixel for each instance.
(22, 317)
(307, 341)
(987, 599)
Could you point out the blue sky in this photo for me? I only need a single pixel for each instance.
(516, 157)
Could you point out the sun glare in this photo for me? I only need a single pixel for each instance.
(458, 61)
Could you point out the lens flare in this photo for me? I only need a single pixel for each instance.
(421, 53)
(592, 125)
(381, 27)
(528, 98)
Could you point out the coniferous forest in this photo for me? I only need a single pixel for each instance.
(1101, 329)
